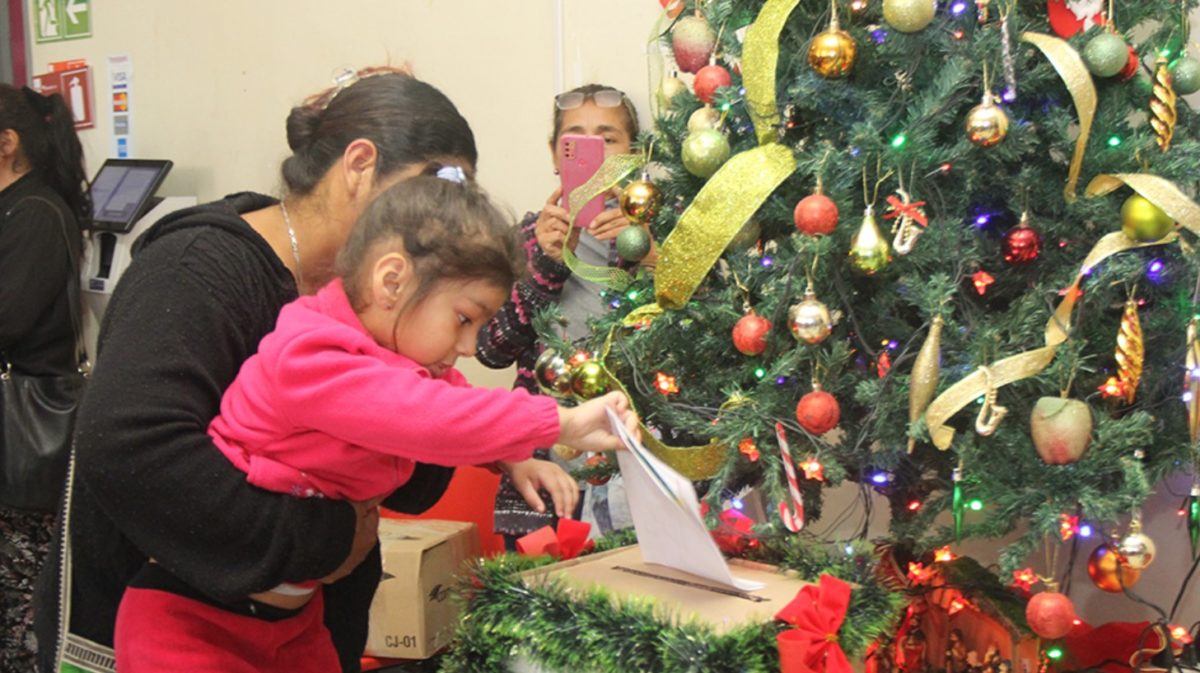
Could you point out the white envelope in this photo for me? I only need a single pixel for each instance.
(666, 515)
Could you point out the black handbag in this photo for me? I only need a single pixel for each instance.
(39, 417)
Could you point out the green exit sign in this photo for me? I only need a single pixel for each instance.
(56, 20)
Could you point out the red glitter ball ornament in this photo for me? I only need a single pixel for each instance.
(750, 334)
(1051, 615)
(816, 214)
(1131, 66)
(708, 80)
(1022, 244)
(818, 412)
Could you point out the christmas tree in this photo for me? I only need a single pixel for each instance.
(946, 247)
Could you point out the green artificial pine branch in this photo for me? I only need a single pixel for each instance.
(901, 111)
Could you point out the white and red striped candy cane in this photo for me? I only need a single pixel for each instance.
(793, 521)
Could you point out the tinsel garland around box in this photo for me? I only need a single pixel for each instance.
(570, 630)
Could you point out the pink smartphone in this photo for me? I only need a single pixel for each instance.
(579, 157)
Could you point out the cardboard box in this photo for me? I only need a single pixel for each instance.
(681, 596)
(412, 616)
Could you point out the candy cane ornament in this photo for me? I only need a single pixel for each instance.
(793, 521)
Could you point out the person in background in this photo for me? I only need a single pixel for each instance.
(43, 188)
(509, 338)
(354, 385)
(205, 286)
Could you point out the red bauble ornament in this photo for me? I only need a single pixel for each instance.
(816, 214)
(750, 334)
(708, 80)
(1131, 67)
(1022, 244)
(1051, 615)
(818, 412)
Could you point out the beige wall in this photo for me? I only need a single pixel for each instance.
(214, 80)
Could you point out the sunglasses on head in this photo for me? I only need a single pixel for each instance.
(602, 98)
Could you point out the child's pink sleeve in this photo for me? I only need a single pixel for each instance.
(401, 411)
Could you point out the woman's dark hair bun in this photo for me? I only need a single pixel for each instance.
(302, 124)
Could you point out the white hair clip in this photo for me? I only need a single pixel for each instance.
(344, 77)
(452, 173)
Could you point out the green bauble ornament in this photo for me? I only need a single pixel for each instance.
(633, 243)
(704, 152)
(909, 16)
(1185, 76)
(1143, 221)
(588, 380)
(1106, 55)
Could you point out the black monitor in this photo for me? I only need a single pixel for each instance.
(122, 191)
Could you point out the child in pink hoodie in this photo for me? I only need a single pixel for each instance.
(353, 387)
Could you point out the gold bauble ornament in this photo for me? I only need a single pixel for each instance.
(909, 16)
(553, 373)
(987, 123)
(831, 53)
(588, 379)
(1136, 548)
(670, 87)
(640, 200)
(809, 320)
(869, 250)
(703, 119)
(1143, 221)
(1108, 572)
(1131, 350)
(925, 372)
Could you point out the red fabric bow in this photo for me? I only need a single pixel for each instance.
(569, 541)
(902, 209)
(817, 613)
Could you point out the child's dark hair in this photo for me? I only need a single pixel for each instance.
(448, 230)
(631, 119)
(408, 120)
(46, 127)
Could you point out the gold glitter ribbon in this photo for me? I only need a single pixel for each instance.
(760, 57)
(1074, 74)
(1029, 363)
(1159, 191)
(614, 169)
(705, 229)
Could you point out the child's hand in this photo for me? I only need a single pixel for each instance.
(608, 224)
(533, 475)
(552, 227)
(586, 427)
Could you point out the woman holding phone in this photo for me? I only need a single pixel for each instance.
(590, 110)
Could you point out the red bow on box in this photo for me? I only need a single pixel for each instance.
(569, 541)
(817, 614)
